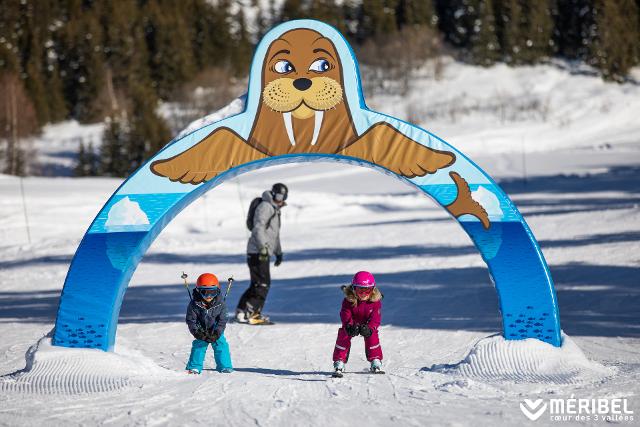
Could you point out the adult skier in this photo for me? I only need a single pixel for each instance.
(264, 222)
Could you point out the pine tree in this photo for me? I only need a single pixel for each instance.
(36, 89)
(18, 120)
(82, 162)
(539, 31)
(94, 160)
(148, 131)
(572, 28)
(292, 9)
(54, 95)
(114, 158)
(485, 48)
(209, 32)
(513, 24)
(328, 11)
(457, 19)
(31, 58)
(123, 44)
(262, 24)
(8, 60)
(81, 61)
(615, 49)
(170, 50)
(416, 12)
(376, 18)
(87, 163)
(243, 48)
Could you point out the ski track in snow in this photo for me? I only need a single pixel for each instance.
(55, 371)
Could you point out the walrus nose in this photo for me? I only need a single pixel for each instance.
(302, 84)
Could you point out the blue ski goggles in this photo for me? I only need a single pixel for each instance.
(209, 292)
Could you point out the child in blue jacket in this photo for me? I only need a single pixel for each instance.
(207, 319)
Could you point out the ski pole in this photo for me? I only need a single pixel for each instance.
(229, 283)
(186, 285)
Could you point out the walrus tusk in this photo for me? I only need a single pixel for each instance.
(288, 124)
(316, 126)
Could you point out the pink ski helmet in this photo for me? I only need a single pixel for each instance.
(363, 279)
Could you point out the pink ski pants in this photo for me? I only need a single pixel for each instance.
(343, 345)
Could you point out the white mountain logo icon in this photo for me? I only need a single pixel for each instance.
(533, 410)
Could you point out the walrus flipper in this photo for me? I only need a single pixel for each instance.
(218, 152)
(386, 146)
(464, 203)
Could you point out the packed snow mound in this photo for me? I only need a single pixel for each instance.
(494, 359)
(60, 370)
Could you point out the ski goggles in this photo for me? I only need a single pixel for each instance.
(280, 197)
(209, 292)
(362, 290)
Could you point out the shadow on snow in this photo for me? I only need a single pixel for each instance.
(597, 300)
(594, 300)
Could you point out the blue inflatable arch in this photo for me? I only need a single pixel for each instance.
(304, 103)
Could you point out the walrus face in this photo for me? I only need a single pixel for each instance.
(302, 76)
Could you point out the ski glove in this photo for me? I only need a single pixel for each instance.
(212, 337)
(352, 330)
(263, 256)
(278, 260)
(200, 335)
(365, 331)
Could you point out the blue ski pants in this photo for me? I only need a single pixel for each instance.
(220, 354)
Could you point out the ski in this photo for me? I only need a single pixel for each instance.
(262, 323)
(340, 374)
(259, 323)
(258, 319)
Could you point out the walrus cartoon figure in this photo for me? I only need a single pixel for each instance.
(302, 110)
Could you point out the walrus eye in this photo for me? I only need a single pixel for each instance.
(283, 67)
(320, 66)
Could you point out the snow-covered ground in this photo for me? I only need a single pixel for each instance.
(524, 109)
(444, 366)
(576, 184)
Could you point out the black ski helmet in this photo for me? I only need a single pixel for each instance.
(279, 192)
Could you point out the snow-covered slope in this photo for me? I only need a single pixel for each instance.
(529, 108)
(575, 182)
(444, 365)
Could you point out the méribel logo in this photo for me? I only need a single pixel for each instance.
(533, 409)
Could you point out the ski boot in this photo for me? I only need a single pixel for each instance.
(242, 316)
(258, 319)
(338, 367)
(226, 370)
(193, 372)
(376, 367)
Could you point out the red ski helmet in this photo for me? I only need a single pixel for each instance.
(363, 279)
(207, 280)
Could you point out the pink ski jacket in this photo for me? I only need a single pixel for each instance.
(364, 313)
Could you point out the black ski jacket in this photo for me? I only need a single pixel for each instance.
(206, 317)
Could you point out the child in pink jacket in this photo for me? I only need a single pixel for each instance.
(360, 315)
